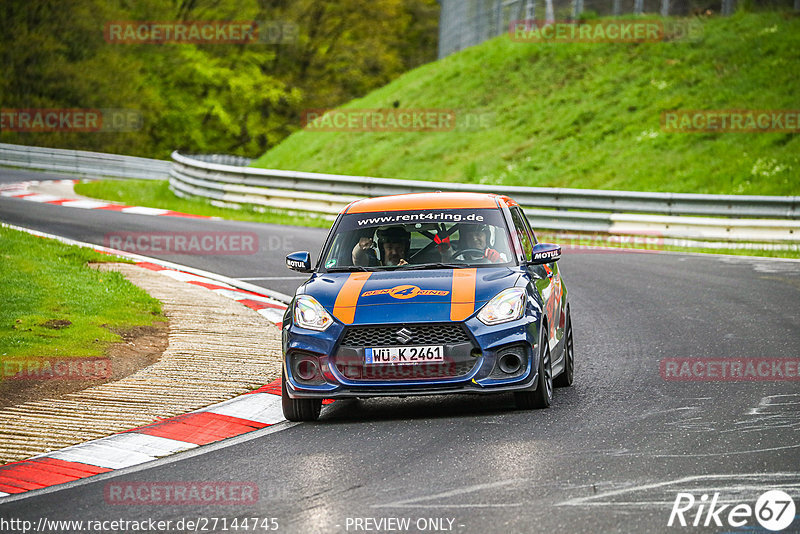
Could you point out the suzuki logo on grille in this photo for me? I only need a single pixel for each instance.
(403, 335)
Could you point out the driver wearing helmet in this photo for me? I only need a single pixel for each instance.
(394, 244)
(478, 237)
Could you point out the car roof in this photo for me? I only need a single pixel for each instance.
(438, 200)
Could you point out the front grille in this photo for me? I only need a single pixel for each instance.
(416, 334)
(358, 371)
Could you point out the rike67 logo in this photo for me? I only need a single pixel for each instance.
(774, 510)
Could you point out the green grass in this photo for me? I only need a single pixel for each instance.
(156, 194)
(791, 254)
(43, 280)
(654, 245)
(586, 115)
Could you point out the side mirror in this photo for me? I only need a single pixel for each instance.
(299, 261)
(545, 253)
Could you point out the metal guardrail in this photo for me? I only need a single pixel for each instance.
(539, 197)
(226, 181)
(726, 217)
(224, 159)
(82, 163)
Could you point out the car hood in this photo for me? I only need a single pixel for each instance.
(434, 295)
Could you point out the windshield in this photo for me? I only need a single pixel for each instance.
(419, 239)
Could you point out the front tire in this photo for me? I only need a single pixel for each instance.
(298, 409)
(543, 395)
(566, 377)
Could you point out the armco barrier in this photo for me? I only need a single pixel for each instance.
(538, 197)
(82, 163)
(226, 180)
(677, 215)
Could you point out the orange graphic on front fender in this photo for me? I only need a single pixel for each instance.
(344, 308)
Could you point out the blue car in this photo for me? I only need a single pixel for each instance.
(427, 293)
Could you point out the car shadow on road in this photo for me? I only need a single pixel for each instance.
(417, 407)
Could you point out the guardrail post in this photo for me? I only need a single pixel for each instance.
(577, 9)
(549, 14)
(727, 7)
(530, 9)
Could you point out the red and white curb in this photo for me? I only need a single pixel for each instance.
(270, 309)
(252, 411)
(21, 191)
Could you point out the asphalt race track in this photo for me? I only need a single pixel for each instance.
(92, 226)
(610, 455)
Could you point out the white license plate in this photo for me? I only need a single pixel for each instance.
(404, 355)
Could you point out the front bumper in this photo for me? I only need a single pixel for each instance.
(473, 361)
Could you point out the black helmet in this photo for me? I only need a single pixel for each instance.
(369, 232)
(394, 234)
(476, 228)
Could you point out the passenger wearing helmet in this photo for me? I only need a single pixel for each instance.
(393, 247)
(478, 237)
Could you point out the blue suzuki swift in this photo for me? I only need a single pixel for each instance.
(427, 293)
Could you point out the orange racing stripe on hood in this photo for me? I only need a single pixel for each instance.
(344, 308)
(462, 300)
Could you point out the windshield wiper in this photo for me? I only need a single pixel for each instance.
(349, 268)
(433, 266)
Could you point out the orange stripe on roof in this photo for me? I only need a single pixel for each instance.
(462, 302)
(344, 308)
(424, 201)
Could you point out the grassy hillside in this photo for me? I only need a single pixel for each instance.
(586, 115)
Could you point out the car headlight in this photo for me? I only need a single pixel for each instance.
(308, 313)
(508, 305)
